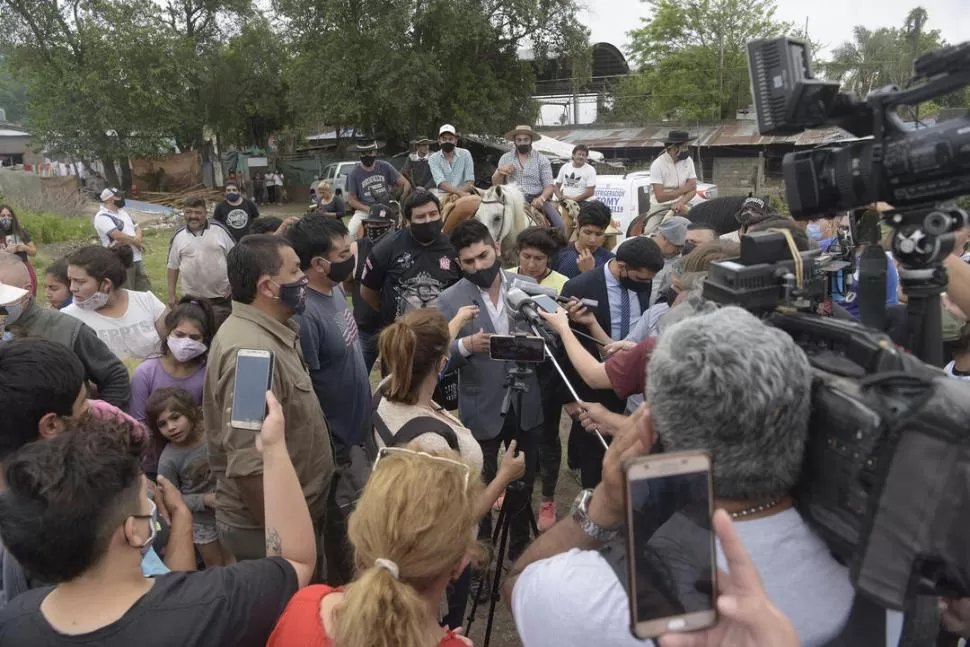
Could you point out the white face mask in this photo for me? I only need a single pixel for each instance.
(184, 349)
(96, 301)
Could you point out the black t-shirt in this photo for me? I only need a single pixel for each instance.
(368, 320)
(238, 219)
(409, 276)
(234, 606)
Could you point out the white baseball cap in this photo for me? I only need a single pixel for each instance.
(447, 128)
(109, 193)
(10, 294)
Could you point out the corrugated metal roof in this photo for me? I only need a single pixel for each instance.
(732, 133)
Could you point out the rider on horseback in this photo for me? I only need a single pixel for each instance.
(673, 177)
(531, 170)
(453, 168)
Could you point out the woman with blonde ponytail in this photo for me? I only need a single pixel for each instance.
(413, 532)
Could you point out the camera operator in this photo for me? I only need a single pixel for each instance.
(481, 389)
(724, 382)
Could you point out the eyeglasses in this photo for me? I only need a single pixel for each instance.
(401, 451)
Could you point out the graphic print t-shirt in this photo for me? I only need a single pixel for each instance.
(131, 336)
(372, 187)
(409, 276)
(574, 180)
(238, 219)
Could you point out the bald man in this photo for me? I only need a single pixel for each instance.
(26, 318)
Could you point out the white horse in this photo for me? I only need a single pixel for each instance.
(504, 211)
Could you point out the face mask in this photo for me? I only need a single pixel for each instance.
(447, 147)
(96, 301)
(293, 295)
(6, 222)
(185, 349)
(119, 202)
(523, 148)
(682, 155)
(340, 271)
(629, 284)
(670, 295)
(14, 311)
(426, 232)
(374, 234)
(687, 248)
(367, 160)
(484, 278)
(231, 197)
(814, 230)
(153, 525)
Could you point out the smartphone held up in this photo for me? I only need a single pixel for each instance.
(254, 377)
(670, 544)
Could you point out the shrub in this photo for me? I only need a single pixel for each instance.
(50, 228)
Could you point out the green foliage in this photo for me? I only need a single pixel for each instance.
(50, 228)
(691, 57)
(13, 94)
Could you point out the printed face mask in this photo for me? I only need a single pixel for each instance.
(96, 301)
(293, 294)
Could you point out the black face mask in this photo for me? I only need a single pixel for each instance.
(340, 271)
(367, 160)
(119, 202)
(375, 233)
(629, 284)
(523, 148)
(293, 294)
(687, 248)
(426, 232)
(682, 155)
(484, 278)
(447, 147)
(670, 295)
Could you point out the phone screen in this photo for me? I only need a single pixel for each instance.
(254, 376)
(673, 541)
(546, 302)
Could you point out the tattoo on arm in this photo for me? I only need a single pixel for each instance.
(274, 545)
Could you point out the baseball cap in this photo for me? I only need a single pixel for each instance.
(379, 213)
(447, 128)
(109, 193)
(10, 294)
(674, 229)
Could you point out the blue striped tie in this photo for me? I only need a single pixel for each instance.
(624, 313)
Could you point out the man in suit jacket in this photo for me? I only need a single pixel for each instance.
(482, 380)
(622, 291)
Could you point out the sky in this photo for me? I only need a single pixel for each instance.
(830, 22)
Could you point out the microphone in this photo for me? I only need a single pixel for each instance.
(534, 289)
(520, 303)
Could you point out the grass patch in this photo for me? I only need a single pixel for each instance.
(155, 260)
(46, 228)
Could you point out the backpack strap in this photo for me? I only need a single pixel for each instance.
(425, 425)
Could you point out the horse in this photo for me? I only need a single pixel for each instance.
(502, 209)
(719, 213)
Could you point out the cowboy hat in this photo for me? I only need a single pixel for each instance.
(522, 130)
(368, 145)
(678, 137)
(417, 141)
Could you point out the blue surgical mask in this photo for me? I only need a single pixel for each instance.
(814, 230)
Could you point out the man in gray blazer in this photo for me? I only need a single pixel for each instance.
(482, 380)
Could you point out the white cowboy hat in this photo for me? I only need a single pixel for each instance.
(522, 130)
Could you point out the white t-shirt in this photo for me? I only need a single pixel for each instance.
(201, 260)
(575, 181)
(949, 368)
(670, 174)
(132, 335)
(575, 598)
(106, 222)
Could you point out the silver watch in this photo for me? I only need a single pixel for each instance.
(580, 514)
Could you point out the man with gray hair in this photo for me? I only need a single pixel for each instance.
(726, 383)
(670, 236)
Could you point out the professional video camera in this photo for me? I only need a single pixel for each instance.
(886, 479)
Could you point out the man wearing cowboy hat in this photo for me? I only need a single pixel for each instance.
(531, 171)
(673, 177)
(370, 182)
(452, 167)
(416, 168)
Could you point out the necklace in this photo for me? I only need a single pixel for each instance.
(755, 509)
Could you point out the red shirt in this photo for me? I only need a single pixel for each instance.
(627, 370)
(301, 624)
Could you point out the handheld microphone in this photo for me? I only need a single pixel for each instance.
(519, 302)
(534, 289)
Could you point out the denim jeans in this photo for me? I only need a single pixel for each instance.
(552, 213)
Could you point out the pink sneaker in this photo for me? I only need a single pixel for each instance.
(547, 516)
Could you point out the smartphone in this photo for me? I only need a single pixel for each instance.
(670, 543)
(254, 377)
(545, 302)
(517, 348)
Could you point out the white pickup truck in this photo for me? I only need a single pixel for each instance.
(628, 196)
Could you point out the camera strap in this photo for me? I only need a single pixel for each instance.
(871, 289)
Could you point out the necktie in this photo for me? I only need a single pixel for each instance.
(624, 313)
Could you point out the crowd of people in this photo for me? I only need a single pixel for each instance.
(133, 511)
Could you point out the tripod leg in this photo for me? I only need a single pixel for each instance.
(500, 523)
(503, 534)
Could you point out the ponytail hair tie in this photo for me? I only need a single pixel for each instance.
(388, 566)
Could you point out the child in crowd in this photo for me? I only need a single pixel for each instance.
(57, 286)
(176, 424)
(587, 252)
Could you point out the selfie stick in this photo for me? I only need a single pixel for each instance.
(519, 302)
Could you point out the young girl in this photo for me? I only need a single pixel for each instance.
(176, 423)
(57, 286)
(16, 239)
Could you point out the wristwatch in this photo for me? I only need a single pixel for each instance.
(580, 514)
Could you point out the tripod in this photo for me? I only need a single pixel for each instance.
(517, 501)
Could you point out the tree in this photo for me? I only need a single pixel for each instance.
(13, 94)
(401, 67)
(692, 61)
